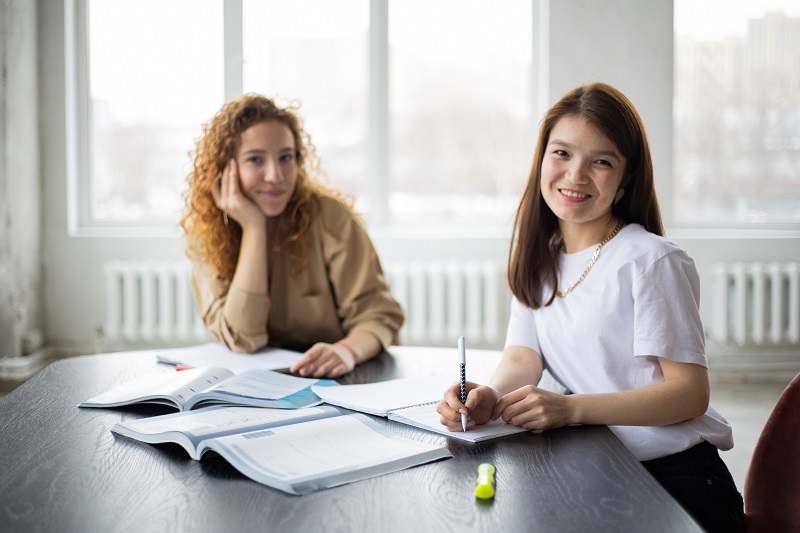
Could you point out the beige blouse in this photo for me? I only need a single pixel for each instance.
(343, 289)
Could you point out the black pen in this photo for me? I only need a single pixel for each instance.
(462, 355)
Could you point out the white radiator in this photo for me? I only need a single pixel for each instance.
(444, 300)
(756, 303)
(151, 302)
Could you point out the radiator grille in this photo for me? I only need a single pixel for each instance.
(151, 302)
(446, 300)
(756, 303)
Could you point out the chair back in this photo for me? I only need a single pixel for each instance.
(772, 485)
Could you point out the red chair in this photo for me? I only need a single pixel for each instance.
(772, 486)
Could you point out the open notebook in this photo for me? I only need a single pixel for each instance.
(384, 396)
(425, 417)
(410, 401)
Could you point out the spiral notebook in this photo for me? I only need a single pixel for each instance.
(410, 401)
(385, 396)
(425, 417)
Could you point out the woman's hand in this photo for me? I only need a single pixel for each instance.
(229, 197)
(533, 408)
(480, 401)
(325, 360)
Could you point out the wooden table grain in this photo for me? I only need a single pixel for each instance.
(61, 469)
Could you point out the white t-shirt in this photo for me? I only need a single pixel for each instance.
(640, 300)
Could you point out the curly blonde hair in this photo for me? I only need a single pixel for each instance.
(217, 244)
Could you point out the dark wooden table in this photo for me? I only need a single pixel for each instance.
(61, 469)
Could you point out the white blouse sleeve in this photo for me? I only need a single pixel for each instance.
(522, 327)
(666, 310)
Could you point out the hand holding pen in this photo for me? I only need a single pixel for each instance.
(480, 400)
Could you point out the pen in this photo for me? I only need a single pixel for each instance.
(462, 355)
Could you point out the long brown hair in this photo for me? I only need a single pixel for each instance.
(532, 264)
(217, 244)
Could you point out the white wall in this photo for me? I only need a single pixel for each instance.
(627, 43)
(72, 265)
(20, 213)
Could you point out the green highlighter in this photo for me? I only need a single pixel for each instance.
(484, 485)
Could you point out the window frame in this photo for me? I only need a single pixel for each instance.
(377, 187)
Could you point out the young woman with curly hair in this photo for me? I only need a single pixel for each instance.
(279, 259)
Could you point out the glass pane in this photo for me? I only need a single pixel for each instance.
(315, 52)
(737, 112)
(156, 74)
(461, 125)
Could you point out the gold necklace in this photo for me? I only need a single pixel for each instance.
(611, 235)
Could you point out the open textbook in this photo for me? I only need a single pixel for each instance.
(200, 387)
(410, 401)
(218, 355)
(298, 452)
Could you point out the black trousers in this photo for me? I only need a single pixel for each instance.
(701, 482)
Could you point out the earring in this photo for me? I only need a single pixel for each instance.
(618, 197)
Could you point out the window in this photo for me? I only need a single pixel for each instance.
(443, 87)
(315, 53)
(460, 108)
(152, 81)
(737, 112)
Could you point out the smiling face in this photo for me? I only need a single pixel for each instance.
(268, 166)
(581, 173)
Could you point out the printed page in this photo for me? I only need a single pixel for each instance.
(380, 398)
(168, 388)
(426, 417)
(263, 388)
(218, 355)
(189, 428)
(218, 420)
(303, 458)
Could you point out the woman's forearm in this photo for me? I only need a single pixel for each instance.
(251, 268)
(362, 344)
(518, 367)
(683, 395)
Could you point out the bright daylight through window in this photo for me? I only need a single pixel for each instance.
(152, 81)
(294, 52)
(460, 124)
(460, 108)
(737, 112)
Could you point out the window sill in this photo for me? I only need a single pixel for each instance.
(734, 233)
(126, 232)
